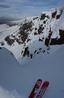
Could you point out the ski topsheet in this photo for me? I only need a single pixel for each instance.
(43, 89)
(36, 88)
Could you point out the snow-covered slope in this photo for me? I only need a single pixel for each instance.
(34, 35)
(21, 79)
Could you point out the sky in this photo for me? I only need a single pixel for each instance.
(21, 8)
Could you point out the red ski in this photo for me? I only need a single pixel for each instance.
(43, 89)
(36, 88)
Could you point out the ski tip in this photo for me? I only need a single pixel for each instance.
(39, 80)
(46, 83)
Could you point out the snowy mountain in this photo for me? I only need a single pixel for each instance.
(34, 35)
(41, 40)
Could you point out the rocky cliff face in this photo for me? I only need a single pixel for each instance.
(34, 35)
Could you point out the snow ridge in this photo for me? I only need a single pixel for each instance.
(34, 35)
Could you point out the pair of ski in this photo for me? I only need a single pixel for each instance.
(39, 89)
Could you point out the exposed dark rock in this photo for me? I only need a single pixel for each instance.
(54, 14)
(50, 31)
(13, 35)
(0, 48)
(35, 28)
(41, 25)
(35, 33)
(18, 41)
(56, 41)
(9, 40)
(40, 39)
(40, 49)
(31, 55)
(26, 26)
(47, 42)
(26, 52)
(38, 52)
(47, 16)
(35, 51)
(24, 30)
(40, 29)
(43, 16)
(23, 36)
(35, 18)
(58, 16)
(28, 40)
(43, 51)
(44, 22)
(2, 43)
(61, 33)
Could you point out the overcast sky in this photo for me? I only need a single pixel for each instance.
(26, 7)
